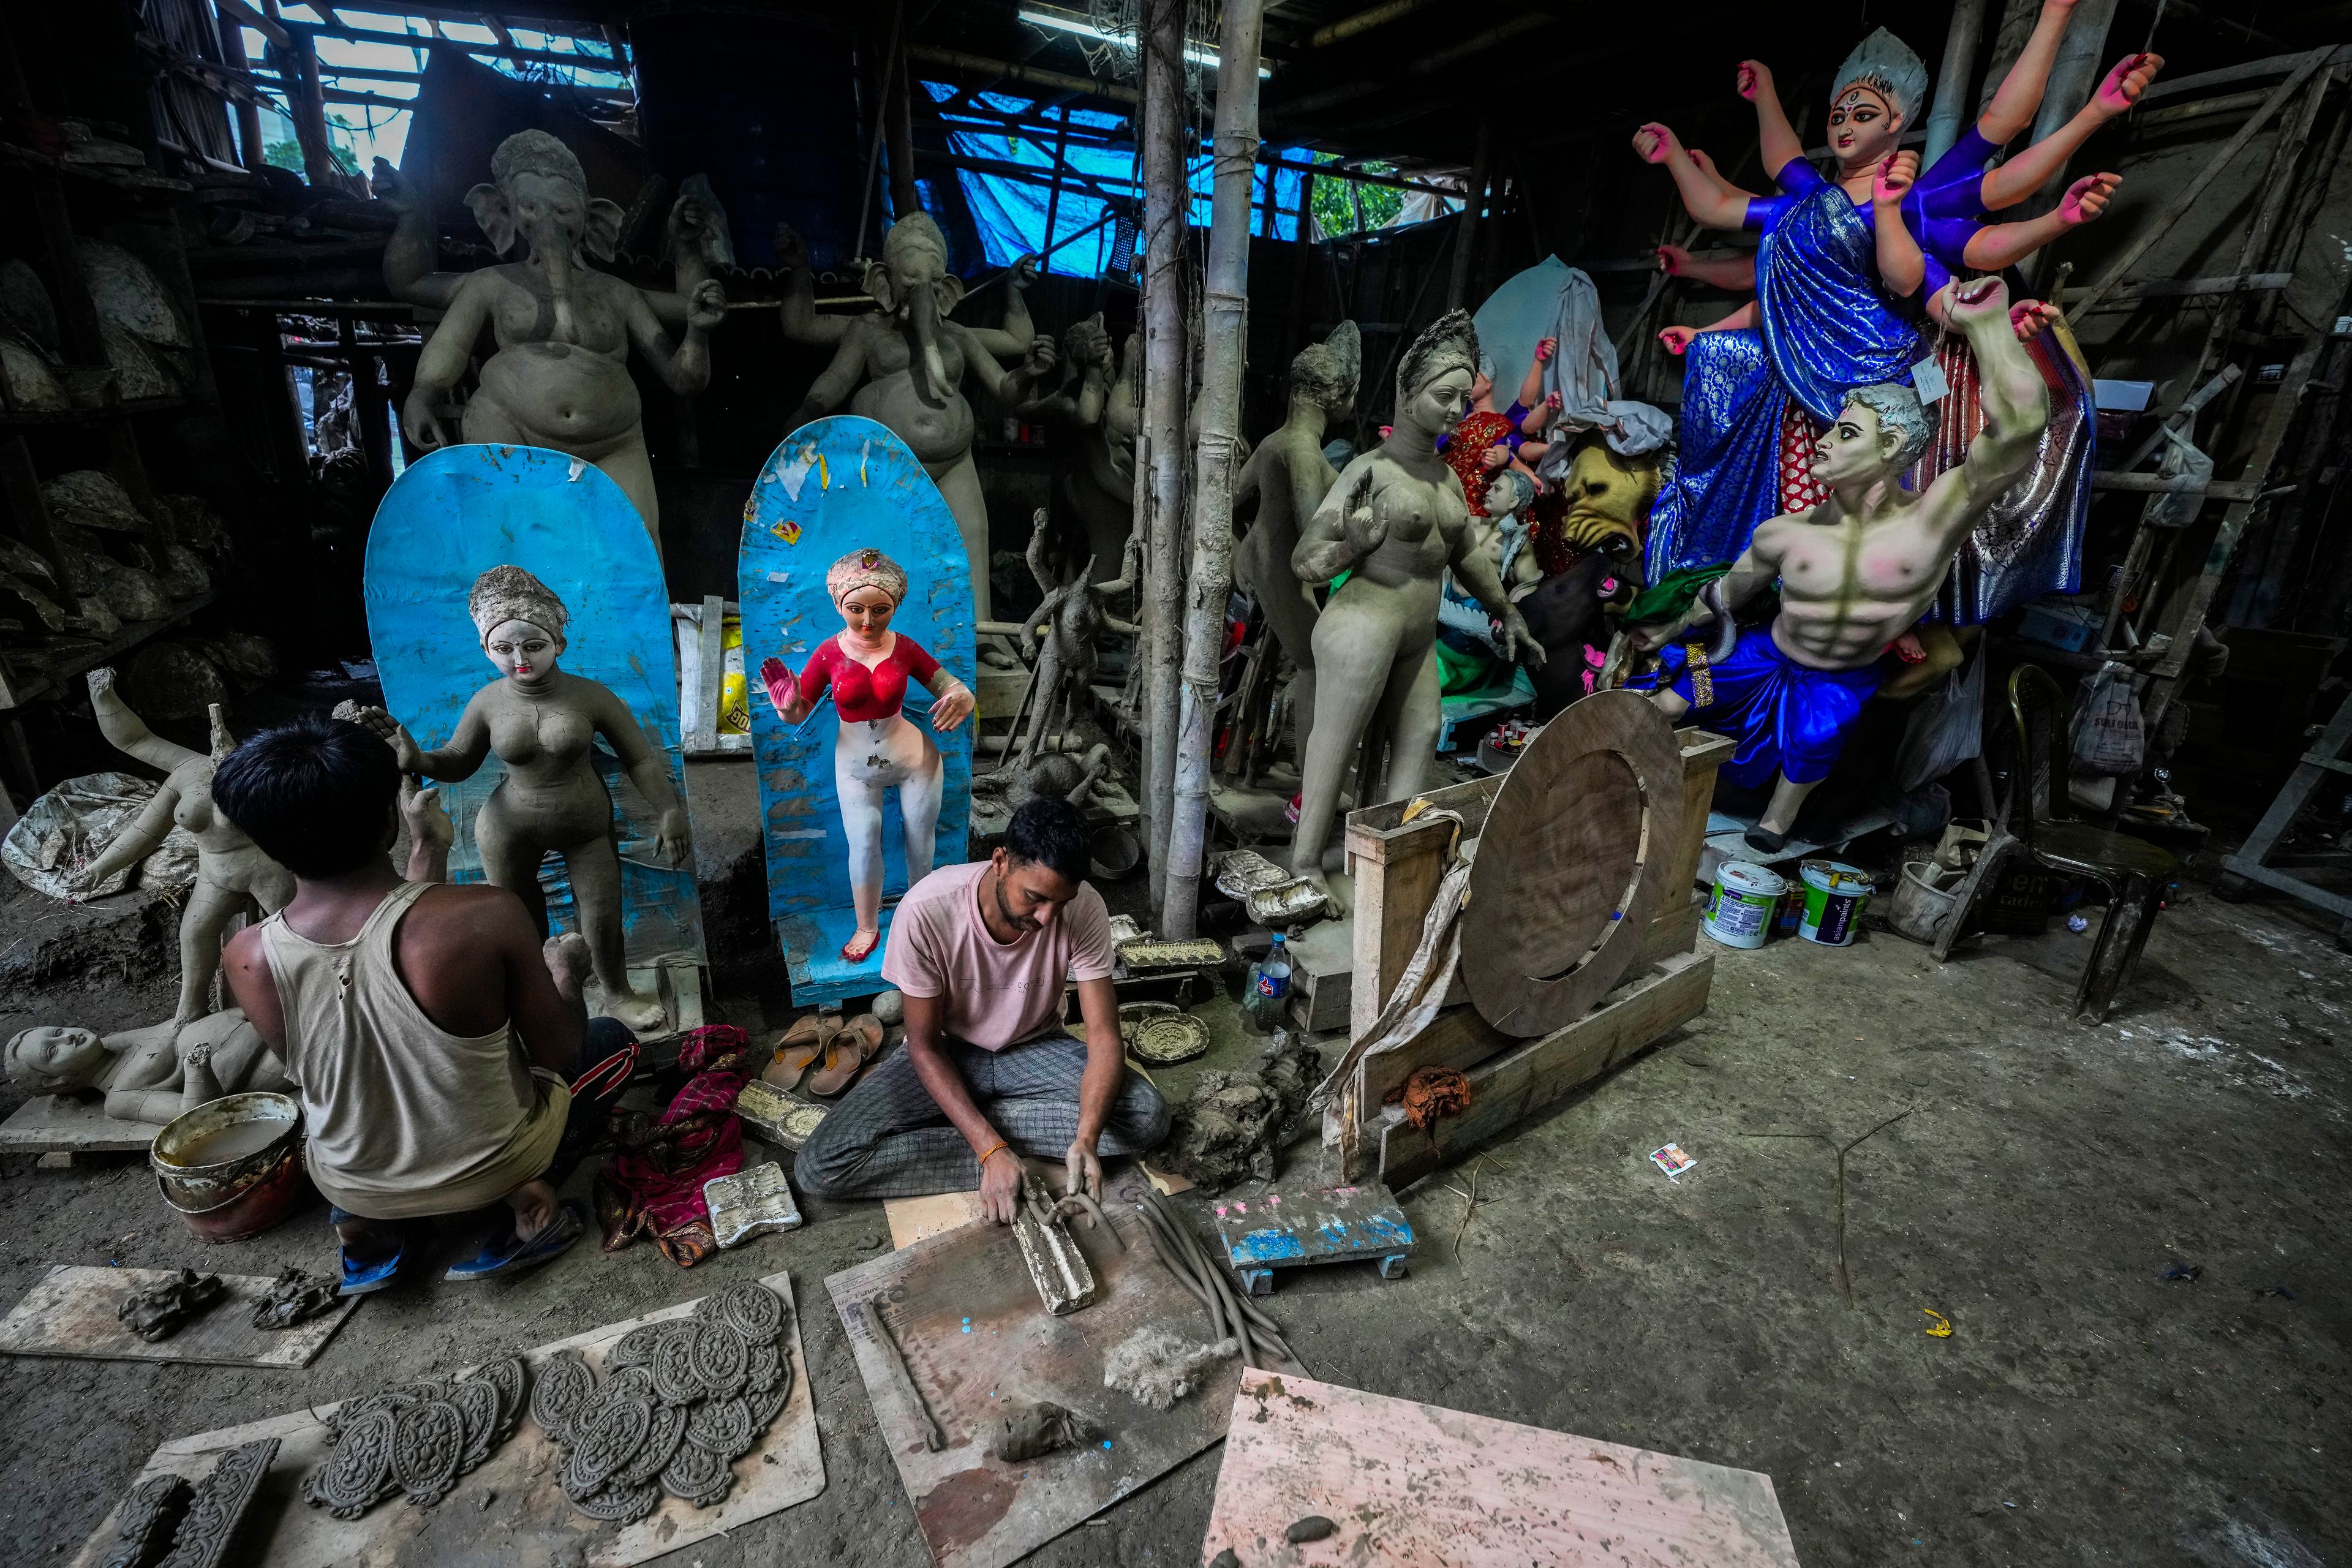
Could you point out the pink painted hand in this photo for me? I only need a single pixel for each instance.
(1677, 339)
(1654, 143)
(2087, 197)
(2028, 317)
(782, 690)
(1673, 260)
(1546, 348)
(1893, 179)
(2126, 83)
(1755, 76)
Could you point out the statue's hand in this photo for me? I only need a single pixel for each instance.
(424, 421)
(2124, 84)
(393, 734)
(778, 681)
(2027, 318)
(1654, 143)
(1554, 401)
(791, 251)
(1494, 457)
(391, 187)
(1677, 340)
(2087, 197)
(101, 680)
(1755, 80)
(428, 821)
(1518, 643)
(1043, 357)
(1024, 272)
(707, 307)
(567, 959)
(1893, 179)
(1975, 303)
(673, 838)
(1673, 260)
(952, 707)
(1545, 348)
(1366, 530)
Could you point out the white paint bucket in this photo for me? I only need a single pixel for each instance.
(1835, 894)
(1739, 906)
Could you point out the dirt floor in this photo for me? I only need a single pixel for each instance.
(2042, 1178)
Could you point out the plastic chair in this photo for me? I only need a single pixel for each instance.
(2134, 872)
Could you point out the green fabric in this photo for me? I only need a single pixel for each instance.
(1458, 672)
(1672, 594)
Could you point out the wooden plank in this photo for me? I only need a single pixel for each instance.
(70, 1312)
(57, 1122)
(1415, 1486)
(1456, 1037)
(919, 1219)
(1672, 933)
(1322, 975)
(1703, 752)
(997, 691)
(1504, 1091)
(513, 1493)
(1397, 873)
(1300, 1227)
(710, 675)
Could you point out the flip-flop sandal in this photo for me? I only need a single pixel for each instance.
(852, 1049)
(361, 1278)
(800, 1048)
(510, 1254)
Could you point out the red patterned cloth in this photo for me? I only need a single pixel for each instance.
(1465, 454)
(1799, 431)
(652, 1187)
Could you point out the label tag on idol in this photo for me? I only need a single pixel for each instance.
(1927, 381)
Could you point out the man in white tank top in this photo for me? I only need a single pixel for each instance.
(442, 1051)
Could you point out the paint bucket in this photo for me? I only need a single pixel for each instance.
(1739, 906)
(206, 1156)
(1835, 895)
(252, 1208)
(1920, 904)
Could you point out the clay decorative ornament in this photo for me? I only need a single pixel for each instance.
(233, 876)
(420, 1436)
(867, 668)
(685, 1397)
(1396, 521)
(145, 1525)
(543, 724)
(428, 1438)
(560, 377)
(907, 362)
(164, 1308)
(294, 1297)
(357, 1473)
(209, 1526)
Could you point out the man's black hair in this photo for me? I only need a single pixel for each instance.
(312, 793)
(1049, 832)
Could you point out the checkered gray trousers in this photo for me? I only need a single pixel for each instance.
(888, 1138)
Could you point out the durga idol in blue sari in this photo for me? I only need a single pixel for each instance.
(1759, 387)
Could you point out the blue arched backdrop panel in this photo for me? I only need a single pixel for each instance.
(453, 516)
(837, 485)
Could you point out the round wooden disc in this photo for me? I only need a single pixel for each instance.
(1572, 864)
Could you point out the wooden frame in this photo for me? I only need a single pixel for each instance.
(1397, 867)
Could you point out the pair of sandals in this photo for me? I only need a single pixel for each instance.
(837, 1051)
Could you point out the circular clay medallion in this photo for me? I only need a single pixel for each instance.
(662, 1439)
(752, 1311)
(723, 1427)
(719, 1357)
(427, 1440)
(358, 1471)
(562, 1389)
(698, 1474)
(620, 1505)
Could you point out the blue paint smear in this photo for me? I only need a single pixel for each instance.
(1266, 1246)
(892, 506)
(450, 517)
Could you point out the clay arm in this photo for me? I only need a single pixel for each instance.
(460, 759)
(1094, 394)
(797, 310)
(792, 707)
(1902, 265)
(1130, 567)
(1776, 138)
(647, 768)
(1709, 206)
(128, 734)
(2016, 406)
(443, 362)
(2001, 245)
(411, 254)
(1010, 342)
(142, 838)
(688, 371)
(1343, 529)
(2032, 169)
(1009, 388)
(1475, 572)
(1736, 272)
(1531, 392)
(1678, 338)
(2013, 103)
(825, 393)
(952, 699)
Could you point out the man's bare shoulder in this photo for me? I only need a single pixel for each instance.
(466, 913)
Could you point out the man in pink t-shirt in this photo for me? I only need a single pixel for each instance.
(981, 954)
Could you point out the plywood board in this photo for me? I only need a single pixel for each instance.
(1415, 1486)
(48, 1123)
(70, 1312)
(527, 1523)
(964, 1313)
(919, 1219)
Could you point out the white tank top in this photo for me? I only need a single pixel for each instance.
(403, 1119)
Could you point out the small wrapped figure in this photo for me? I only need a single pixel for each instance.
(868, 666)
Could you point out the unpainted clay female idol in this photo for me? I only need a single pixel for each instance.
(1394, 521)
(868, 666)
(233, 876)
(541, 723)
(149, 1075)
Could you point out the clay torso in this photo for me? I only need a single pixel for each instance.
(1849, 587)
(1265, 552)
(1425, 517)
(559, 378)
(543, 740)
(939, 433)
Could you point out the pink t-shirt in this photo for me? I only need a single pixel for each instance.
(997, 994)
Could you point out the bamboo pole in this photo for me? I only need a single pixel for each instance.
(1161, 442)
(1225, 328)
(1953, 80)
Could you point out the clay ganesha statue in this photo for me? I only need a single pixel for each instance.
(560, 377)
(543, 723)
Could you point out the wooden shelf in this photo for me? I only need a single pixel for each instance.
(132, 634)
(71, 416)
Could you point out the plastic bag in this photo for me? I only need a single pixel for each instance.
(61, 835)
(2109, 737)
(1947, 727)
